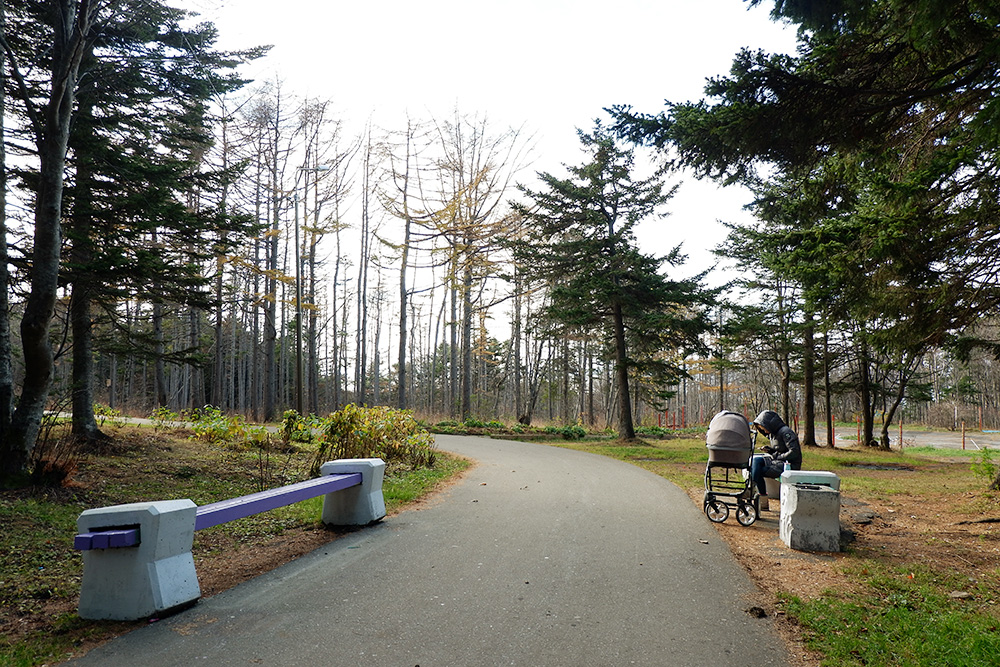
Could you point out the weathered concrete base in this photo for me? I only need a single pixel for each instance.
(820, 477)
(151, 577)
(358, 505)
(810, 517)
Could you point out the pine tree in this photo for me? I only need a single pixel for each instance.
(583, 243)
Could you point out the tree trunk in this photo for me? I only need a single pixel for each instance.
(865, 394)
(335, 334)
(199, 396)
(722, 366)
(453, 341)
(808, 384)
(534, 386)
(312, 360)
(565, 381)
(626, 430)
(218, 365)
(159, 374)
(591, 414)
(403, 303)
(516, 342)
(84, 421)
(361, 359)
(827, 398)
(467, 341)
(81, 233)
(271, 319)
(906, 371)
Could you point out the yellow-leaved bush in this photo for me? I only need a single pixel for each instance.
(355, 432)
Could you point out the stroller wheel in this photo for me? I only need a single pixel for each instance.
(716, 510)
(746, 514)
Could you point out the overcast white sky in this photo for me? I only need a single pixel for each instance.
(547, 65)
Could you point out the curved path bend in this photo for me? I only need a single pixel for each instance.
(539, 556)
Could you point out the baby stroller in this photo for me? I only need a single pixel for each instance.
(727, 475)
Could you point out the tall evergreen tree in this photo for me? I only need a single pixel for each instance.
(583, 243)
(59, 33)
(136, 151)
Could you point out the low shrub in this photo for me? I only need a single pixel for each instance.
(296, 428)
(571, 432)
(473, 422)
(161, 417)
(654, 431)
(986, 470)
(112, 416)
(211, 425)
(355, 432)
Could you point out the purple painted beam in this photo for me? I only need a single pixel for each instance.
(255, 503)
(213, 514)
(107, 539)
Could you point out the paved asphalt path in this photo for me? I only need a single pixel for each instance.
(539, 556)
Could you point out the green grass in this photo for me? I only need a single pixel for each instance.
(905, 617)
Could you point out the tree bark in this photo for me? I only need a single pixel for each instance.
(84, 421)
(516, 342)
(865, 394)
(626, 429)
(808, 385)
(453, 402)
(466, 341)
(827, 398)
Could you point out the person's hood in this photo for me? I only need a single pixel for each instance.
(770, 420)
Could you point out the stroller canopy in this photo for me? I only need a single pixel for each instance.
(729, 430)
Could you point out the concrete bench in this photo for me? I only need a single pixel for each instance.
(810, 510)
(137, 558)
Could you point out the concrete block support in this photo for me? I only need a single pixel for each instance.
(810, 517)
(155, 575)
(821, 477)
(818, 477)
(358, 505)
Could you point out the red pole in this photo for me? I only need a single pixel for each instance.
(859, 431)
(683, 416)
(963, 435)
(900, 434)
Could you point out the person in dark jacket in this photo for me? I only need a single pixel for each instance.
(784, 447)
